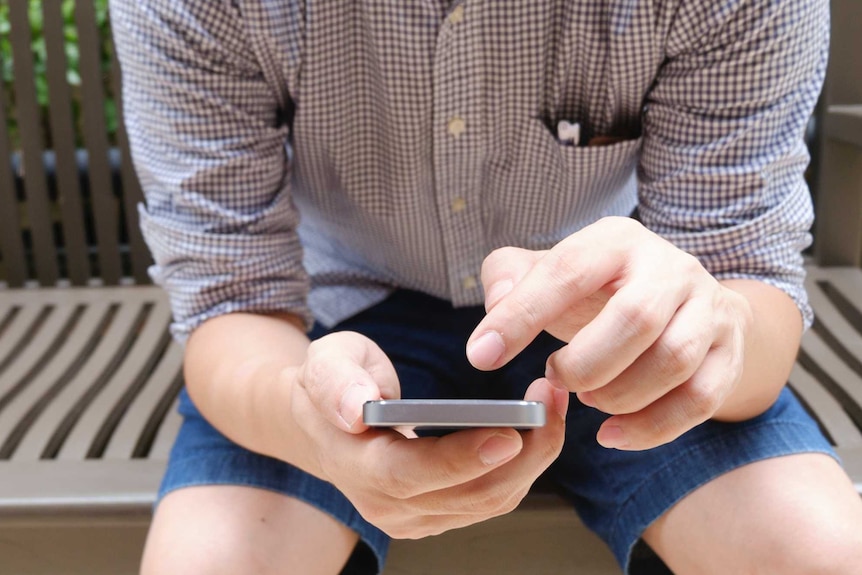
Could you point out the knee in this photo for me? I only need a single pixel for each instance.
(822, 550)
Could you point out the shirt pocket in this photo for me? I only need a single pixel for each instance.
(540, 190)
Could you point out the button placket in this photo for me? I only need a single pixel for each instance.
(456, 16)
(456, 126)
(459, 148)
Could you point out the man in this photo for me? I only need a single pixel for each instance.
(380, 170)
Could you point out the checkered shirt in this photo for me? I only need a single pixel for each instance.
(311, 156)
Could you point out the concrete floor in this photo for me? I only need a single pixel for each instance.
(544, 540)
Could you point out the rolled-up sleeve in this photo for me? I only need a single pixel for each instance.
(210, 151)
(722, 170)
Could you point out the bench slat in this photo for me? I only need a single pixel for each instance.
(30, 130)
(29, 406)
(847, 280)
(136, 360)
(79, 488)
(107, 336)
(63, 144)
(105, 208)
(832, 320)
(11, 245)
(157, 395)
(30, 360)
(841, 381)
(826, 409)
(15, 336)
(851, 459)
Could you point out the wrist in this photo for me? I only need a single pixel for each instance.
(290, 441)
(770, 332)
(270, 416)
(233, 367)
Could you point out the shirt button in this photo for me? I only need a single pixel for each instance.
(456, 15)
(470, 282)
(456, 126)
(458, 205)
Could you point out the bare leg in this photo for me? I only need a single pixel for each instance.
(789, 515)
(212, 530)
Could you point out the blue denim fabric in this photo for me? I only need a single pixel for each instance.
(616, 493)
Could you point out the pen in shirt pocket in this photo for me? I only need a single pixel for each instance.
(569, 133)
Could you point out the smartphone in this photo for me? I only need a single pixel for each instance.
(454, 413)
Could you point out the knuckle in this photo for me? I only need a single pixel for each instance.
(375, 511)
(689, 264)
(528, 311)
(619, 224)
(392, 483)
(489, 500)
(496, 262)
(511, 502)
(315, 372)
(611, 400)
(519, 496)
(678, 355)
(418, 528)
(572, 373)
(449, 469)
(566, 274)
(658, 431)
(640, 315)
(550, 450)
(547, 449)
(444, 471)
(401, 530)
(316, 347)
(499, 256)
(701, 400)
(661, 428)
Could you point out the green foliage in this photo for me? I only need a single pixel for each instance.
(39, 52)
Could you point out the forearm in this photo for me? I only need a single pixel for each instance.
(235, 373)
(773, 340)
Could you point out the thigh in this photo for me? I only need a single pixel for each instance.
(225, 529)
(619, 494)
(792, 514)
(213, 485)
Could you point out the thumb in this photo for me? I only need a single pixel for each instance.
(344, 370)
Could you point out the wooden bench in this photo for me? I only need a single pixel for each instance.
(89, 375)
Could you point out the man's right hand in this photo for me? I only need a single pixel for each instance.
(411, 487)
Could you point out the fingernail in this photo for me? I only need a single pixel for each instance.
(352, 401)
(586, 398)
(498, 448)
(496, 293)
(487, 350)
(612, 437)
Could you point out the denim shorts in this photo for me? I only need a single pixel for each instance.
(617, 494)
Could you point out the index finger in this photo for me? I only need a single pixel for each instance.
(574, 269)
